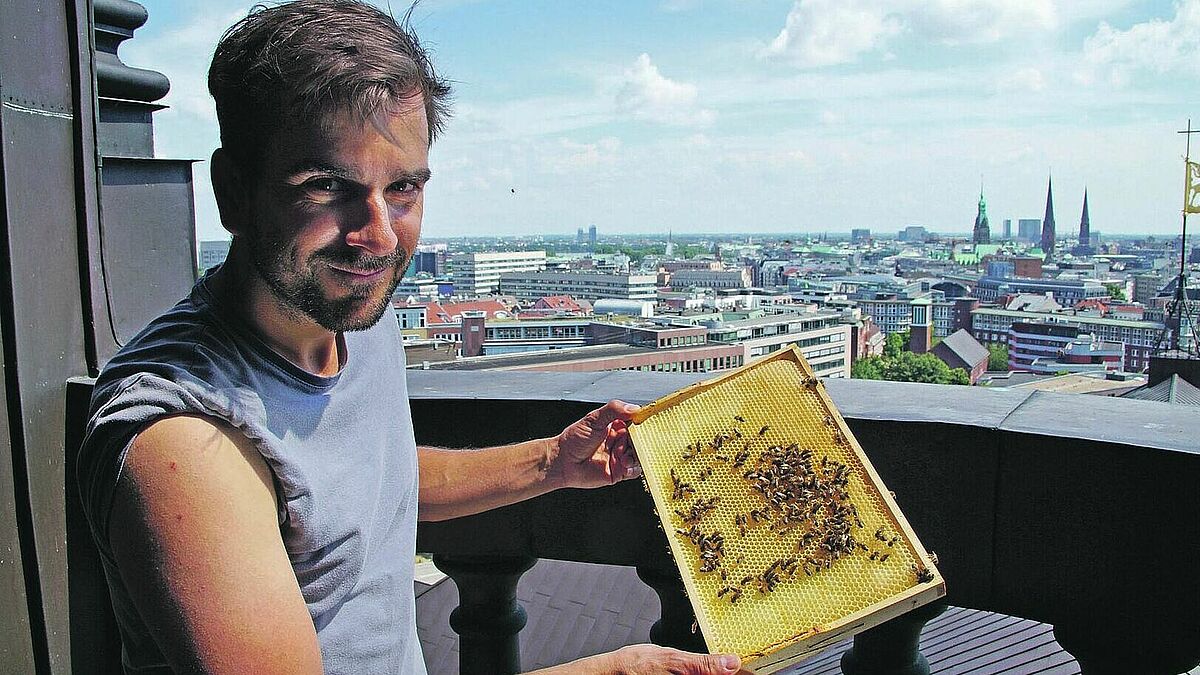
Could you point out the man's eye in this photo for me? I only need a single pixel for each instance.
(325, 185)
(404, 186)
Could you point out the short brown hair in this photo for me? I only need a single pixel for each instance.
(296, 61)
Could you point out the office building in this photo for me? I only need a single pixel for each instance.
(1029, 230)
(859, 235)
(213, 253)
(822, 337)
(579, 285)
(479, 273)
(1138, 337)
(715, 279)
(1067, 292)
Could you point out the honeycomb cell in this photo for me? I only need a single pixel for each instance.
(777, 522)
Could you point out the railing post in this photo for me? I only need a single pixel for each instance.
(892, 648)
(1117, 649)
(488, 618)
(674, 627)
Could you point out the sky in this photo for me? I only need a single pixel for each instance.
(767, 116)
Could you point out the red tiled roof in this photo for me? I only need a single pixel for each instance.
(451, 312)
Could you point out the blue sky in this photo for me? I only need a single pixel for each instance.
(720, 116)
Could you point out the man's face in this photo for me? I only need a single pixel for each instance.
(337, 214)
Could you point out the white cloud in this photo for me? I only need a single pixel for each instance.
(829, 32)
(648, 95)
(1022, 79)
(1156, 46)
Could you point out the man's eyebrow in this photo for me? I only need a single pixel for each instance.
(317, 166)
(417, 176)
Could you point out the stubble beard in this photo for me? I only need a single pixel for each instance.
(301, 293)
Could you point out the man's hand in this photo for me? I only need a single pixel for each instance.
(596, 450)
(650, 660)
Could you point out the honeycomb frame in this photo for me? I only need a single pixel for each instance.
(771, 402)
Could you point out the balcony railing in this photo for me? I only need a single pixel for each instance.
(1077, 511)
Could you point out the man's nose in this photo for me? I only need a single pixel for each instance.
(373, 230)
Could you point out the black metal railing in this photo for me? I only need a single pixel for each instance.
(1077, 511)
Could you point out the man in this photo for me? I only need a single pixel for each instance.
(249, 470)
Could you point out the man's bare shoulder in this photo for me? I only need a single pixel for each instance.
(195, 535)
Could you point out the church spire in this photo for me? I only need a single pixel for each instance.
(1085, 225)
(982, 233)
(1048, 236)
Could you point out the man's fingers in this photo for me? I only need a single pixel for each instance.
(614, 410)
(716, 664)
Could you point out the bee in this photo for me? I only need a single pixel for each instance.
(740, 458)
(874, 555)
(705, 474)
(740, 521)
(690, 452)
(721, 458)
(838, 437)
(680, 489)
(933, 557)
(809, 381)
(858, 521)
(922, 573)
(740, 418)
(893, 540)
(763, 431)
(695, 627)
(879, 535)
(883, 558)
(735, 596)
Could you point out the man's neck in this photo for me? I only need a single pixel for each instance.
(292, 335)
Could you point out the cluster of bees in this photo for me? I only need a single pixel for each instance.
(801, 494)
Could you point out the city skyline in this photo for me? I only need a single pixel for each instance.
(712, 116)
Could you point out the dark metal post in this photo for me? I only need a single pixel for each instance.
(892, 648)
(488, 618)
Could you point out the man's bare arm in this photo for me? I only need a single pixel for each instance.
(592, 452)
(195, 533)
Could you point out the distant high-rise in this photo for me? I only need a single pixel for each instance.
(1029, 230)
(592, 236)
(982, 233)
(860, 234)
(1048, 221)
(1007, 229)
(213, 253)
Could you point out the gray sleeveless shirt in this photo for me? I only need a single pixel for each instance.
(341, 449)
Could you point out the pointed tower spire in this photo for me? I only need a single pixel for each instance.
(1085, 225)
(982, 234)
(1048, 221)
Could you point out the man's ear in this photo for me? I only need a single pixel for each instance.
(232, 190)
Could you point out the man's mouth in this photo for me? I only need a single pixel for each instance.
(357, 274)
